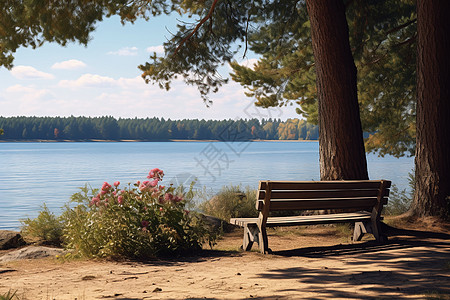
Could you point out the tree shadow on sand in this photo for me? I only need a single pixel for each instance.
(411, 263)
(199, 256)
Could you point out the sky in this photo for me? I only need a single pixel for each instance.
(103, 79)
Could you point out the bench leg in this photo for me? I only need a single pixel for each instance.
(251, 235)
(372, 227)
(361, 228)
(377, 233)
(263, 241)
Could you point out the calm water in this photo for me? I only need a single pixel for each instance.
(35, 173)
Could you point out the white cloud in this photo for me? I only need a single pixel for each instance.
(98, 81)
(71, 64)
(158, 49)
(25, 100)
(95, 95)
(28, 72)
(125, 51)
(131, 83)
(89, 80)
(27, 91)
(180, 102)
(17, 88)
(249, 63)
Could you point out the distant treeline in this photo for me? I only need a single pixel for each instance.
(109, 128)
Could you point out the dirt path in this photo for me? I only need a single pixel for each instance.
(313, 265)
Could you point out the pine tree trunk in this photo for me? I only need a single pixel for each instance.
(341, 144)
(433, 110)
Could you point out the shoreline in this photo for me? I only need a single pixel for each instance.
(136, 141)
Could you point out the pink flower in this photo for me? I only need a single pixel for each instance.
(144, 186)
(145, 223)
(161, 209)
(177, 199)
(147, 185)
(155, 173)
(168, 197)
(106, 186)
(116, 184)
(94, 200)
(103, 192)
(120, 199)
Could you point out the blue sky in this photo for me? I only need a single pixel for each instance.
(103, 79)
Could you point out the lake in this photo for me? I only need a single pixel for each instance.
(35, 173)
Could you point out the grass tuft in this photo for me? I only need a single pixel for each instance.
(46, 227)
(231, 202)
(10, 295)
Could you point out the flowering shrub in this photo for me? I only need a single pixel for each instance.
(142, 220)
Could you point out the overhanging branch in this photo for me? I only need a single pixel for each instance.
(206, 18)
(401, 26)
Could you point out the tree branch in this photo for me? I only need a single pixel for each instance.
(206, 18)
(408, 41)
(246, 37)
(401, 26)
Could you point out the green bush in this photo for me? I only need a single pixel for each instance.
(139, 221)
(46, 227)
(400, 200)
(231, 202)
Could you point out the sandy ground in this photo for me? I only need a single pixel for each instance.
(311, 263)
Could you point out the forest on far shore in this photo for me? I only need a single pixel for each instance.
(157, 129)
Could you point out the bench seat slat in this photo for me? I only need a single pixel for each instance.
(243, 221)
(305, 220)
(315, 204)
(316, 219)
(305, 194)
(313, 185)
(318, 204)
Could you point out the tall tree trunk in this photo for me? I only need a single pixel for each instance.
(341, 144)
(433, 110)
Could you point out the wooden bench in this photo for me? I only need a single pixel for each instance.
(362, 200)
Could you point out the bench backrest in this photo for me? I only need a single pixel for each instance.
(319, 195)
